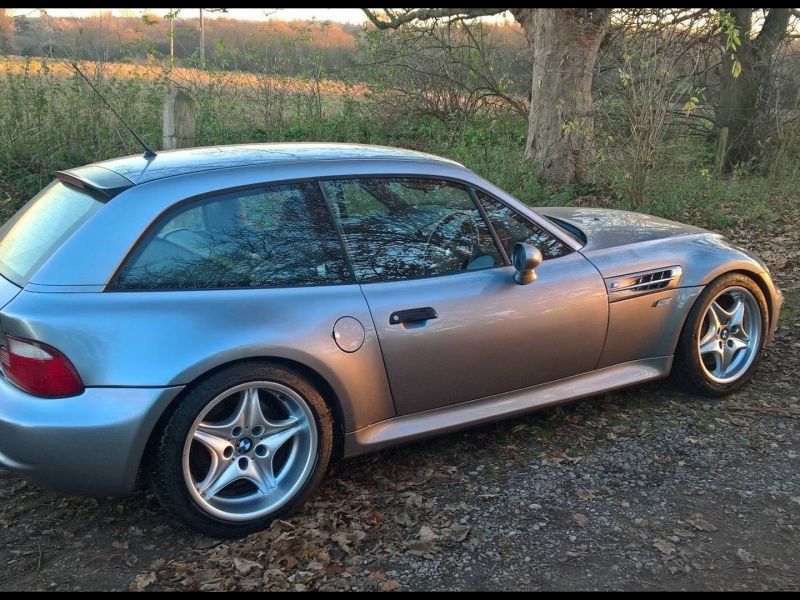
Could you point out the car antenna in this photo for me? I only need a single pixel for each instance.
(148, 152)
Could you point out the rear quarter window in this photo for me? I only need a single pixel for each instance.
(31, 236)
(275, 236)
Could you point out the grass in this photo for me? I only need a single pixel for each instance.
(50, 120)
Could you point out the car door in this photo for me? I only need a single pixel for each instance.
(452, 324)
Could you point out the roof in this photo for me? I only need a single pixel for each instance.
(169, 163)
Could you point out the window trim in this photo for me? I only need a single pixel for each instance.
(146, 236)
(339, 231)
(570, 245)
(535, 218)
(110, 285)
(490, 225)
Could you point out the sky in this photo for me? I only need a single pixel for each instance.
(342, 15)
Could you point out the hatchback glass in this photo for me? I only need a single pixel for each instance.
(29, 238)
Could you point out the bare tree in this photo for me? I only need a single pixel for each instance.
(449, 70)
(652, 85)
(171, 16)
(745, 78)
(203, 32)
(202, 38)
(564, 45)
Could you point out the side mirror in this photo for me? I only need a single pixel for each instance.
(525, 259)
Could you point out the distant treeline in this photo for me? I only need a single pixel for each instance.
(281, 47)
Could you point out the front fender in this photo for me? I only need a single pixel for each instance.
(703, 257)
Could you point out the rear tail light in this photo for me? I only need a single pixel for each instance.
(39, 369)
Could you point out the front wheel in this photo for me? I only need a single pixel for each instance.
(244, 447)
(723, 338)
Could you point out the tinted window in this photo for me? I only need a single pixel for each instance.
(272, 237)
(29, 238)
(512, 227)
(398, 228)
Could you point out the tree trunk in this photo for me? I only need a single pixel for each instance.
(564, 43)
(742, 99)
(6, 31)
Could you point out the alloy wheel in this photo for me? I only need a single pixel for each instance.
(730, 335)
(249, 451)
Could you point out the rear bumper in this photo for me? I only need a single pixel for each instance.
(90, 444)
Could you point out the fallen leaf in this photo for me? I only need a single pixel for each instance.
(421, 548)
(413, 499)
(345, 540)
(426, 534)
(701, 524)
(458, 532)
(744, 556)
(389, 586)
(244, 566)
(403, 519)
(143, 580)
(665, 547)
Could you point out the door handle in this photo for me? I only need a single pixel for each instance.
(412, 315)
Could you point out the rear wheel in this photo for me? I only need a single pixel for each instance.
(723, 338)
(245, 446)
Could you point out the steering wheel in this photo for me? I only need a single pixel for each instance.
(166, 235)
(452, 245)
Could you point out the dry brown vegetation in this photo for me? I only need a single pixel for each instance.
(158, 71)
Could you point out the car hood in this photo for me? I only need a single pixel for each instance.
(607, 228)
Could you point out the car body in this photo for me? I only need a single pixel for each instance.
(589, 323)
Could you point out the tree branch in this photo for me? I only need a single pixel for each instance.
(424, 14)
(774, 29)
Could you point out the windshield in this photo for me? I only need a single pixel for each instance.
(30, 237)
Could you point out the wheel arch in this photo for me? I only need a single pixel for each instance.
(315, 378)
(755, 275)
(749, 270)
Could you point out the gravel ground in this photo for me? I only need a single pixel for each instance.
(649, 488)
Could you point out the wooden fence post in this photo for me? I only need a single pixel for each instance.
(180, 118)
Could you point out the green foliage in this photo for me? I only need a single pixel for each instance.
(733, 40)
(50, 121)
(683, 189)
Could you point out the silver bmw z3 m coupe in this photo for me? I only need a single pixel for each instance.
(226, 320)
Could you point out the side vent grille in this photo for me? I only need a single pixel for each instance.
(644, 282)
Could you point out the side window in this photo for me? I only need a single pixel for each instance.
(399, 228)
(278, 236)
(512, 227)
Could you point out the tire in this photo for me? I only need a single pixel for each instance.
(213, 437)
(705, 371)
